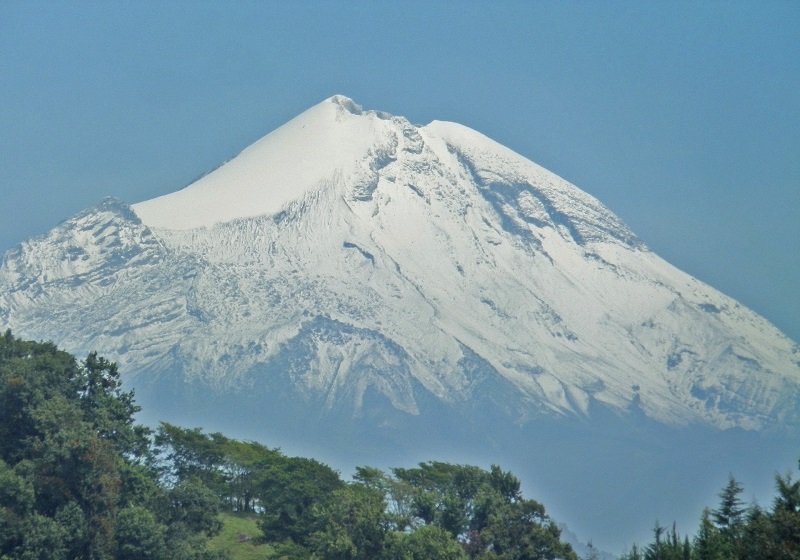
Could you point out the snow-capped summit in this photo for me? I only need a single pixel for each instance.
(331, 139)
(350, 254)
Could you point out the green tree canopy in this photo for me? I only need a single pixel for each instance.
(77, 478)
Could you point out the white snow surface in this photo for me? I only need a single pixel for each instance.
(357, 250)
(333, 138)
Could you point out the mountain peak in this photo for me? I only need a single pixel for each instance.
(346, 103)
(331, 139)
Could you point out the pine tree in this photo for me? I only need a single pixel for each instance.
(729, 516)
(709, 543)
(786, 518)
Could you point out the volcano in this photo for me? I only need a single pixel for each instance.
(357, 275)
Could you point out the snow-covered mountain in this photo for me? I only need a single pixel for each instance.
(351, 253)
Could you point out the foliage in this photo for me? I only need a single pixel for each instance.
(305, 510)
(351, 525)
(735, 532)
(426, 543)
(77, 478)
(234, 470)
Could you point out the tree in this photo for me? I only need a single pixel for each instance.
(786, 518)
(233, 469)
(44, 539)
(30, 374)
(632, 554)
(759, 541)
(191, 454)
(729, 517)
(77, 477)
(139, 535)
(351, 525)
(16, 503)
(193, 508)
(709, 544)
(444, 494)
(244, 466)
(425, 543)
(483, 511)
(289, 490)
(398, 495)
(112, 410)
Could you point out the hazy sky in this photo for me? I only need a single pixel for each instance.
(683, 118)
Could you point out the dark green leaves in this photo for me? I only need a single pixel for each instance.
(76, 475)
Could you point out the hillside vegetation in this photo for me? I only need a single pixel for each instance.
(80, 479)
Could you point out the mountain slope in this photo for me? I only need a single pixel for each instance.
(350, 253)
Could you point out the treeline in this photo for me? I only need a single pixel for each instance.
(79, 479)
(735, 531)
(436, 510)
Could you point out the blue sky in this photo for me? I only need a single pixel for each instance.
(683, 118)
